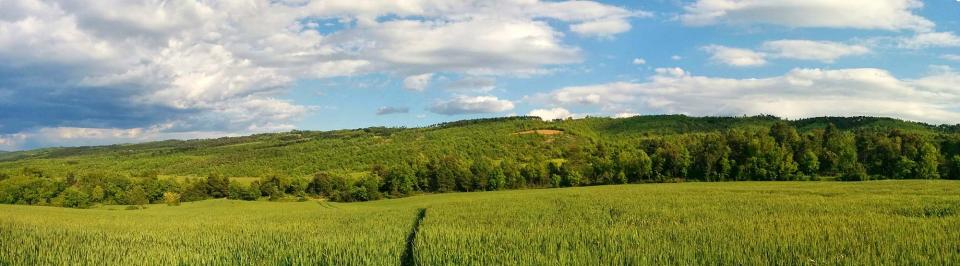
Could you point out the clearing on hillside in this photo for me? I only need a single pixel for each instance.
(545, 132)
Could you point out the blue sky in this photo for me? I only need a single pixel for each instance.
(131, 71)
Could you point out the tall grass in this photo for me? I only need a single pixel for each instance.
(888, 222)
(898, 222)
(215, 232)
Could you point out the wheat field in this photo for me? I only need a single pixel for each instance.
(805, 223)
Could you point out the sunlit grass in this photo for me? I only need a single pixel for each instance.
(884, 222)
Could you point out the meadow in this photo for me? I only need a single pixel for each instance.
(911, 222)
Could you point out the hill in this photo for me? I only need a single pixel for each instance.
(885, 222)
(301, 153)
(485, 154)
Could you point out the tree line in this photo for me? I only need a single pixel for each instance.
(775, 153)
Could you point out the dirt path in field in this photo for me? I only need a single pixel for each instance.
(409, 257)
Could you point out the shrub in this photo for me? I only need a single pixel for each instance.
(171, 198)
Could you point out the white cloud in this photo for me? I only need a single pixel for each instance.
(551, 114)
(676, 57)
(219, 66)
(735, 56)
(857, 14)
(11, 141)
(639, 61)
(479, 84)
(471, 105)
(951, 57)
(417, 82)
(823, 51)
(386, 110)
(625, 115)
(799, 93)
(671, 71)
(601, 28)
(930, 40)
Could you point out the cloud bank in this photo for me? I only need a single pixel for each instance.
(796, 94)
(180, 67)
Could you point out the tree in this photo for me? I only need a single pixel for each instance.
(194, 191)
(71, 179)
(512, 173)
(273, 187)
(671, 160)
(446, 172)
(217, 186)
(496, 180)
(955, 165)
(571, 179)
(535, 175)
(842, 151)
(929, 162)
(137, 196)
(785, 134)
(481, 172)
(905, 168)
(856, 173)
(97, 194)
(399, 181)
(809, 163)
(73, 198)
(236, 191)
(371, 183)
(321, 184)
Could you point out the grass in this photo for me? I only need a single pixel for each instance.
(883, 222)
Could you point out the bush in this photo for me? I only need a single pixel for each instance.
(73, 198)
(241, 192)
(171, 198)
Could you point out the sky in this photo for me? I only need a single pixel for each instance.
(124, 71)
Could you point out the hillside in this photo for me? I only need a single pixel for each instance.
(302, 153)
(481, 155)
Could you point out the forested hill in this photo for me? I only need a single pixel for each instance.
(303, 153)
(478, 155)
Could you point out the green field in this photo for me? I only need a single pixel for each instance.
(867, 223)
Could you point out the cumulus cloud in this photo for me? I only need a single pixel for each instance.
(601, 28)
(951, 57)
(823, 51)
(796, 94)
(856, 14)
(551, 114)
(221, 66)
(639, 61)
(417, 82)
(625, 115)
(930, 40)
(735, 56)
(471, 105)
(480, 84)
(386, 110)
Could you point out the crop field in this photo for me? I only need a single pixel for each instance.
(868, 223)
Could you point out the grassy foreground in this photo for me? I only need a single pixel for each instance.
(882, 222)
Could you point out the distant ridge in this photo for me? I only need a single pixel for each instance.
(300, 152)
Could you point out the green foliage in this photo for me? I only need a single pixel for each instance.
(955, 166)
(482, 155)
(171, 198)
(73, 198)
